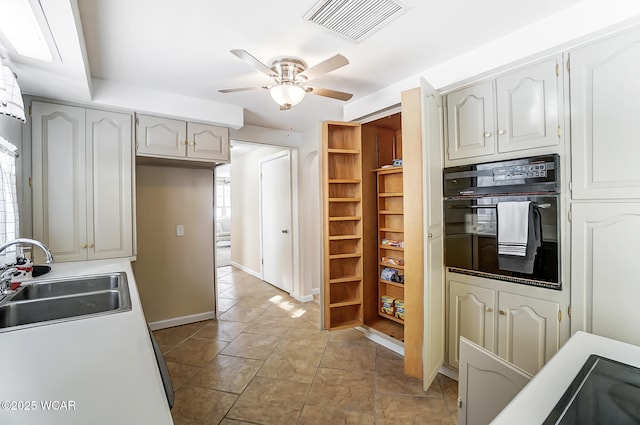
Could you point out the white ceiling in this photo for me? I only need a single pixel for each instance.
(181, 48)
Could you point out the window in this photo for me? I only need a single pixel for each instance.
(9, 223)
(223, 198)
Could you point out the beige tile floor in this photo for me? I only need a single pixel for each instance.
(265, 361)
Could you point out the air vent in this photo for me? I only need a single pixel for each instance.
(355, 19)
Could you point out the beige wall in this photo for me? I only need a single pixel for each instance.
(174, 274)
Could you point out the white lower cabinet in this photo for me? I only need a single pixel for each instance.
(486, 384)
(82, 182)
(523, 330)
(471, 315)
(605, 290)
(528, 330)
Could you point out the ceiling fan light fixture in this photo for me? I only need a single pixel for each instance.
(287, 94)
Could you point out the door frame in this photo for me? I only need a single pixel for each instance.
(295, 230)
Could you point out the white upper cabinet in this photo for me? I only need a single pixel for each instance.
(527, 102)
(160, 136)
(470, 114)
(518, 111)
(109, 184)
(82, 182)
(175, 139)
(207, 142)
(605, 118)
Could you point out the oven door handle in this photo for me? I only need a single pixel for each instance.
(475, 207)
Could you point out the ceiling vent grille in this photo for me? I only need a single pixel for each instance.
(355, 19)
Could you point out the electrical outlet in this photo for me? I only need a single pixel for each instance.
(180, 230)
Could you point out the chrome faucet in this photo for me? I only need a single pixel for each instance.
(5, 280)
(20, 241)
(7, 275)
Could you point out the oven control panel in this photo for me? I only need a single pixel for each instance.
(518, 172)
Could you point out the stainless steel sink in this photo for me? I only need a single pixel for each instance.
(62, 287)
(55, 301)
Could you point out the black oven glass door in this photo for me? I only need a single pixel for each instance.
(471, 241)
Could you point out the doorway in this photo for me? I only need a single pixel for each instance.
(275, 208)
(245, 214)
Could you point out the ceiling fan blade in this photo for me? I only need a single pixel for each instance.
(246, 57)
(322, 68)
(334, 94)
(242, 89)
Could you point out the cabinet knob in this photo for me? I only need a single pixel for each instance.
(183, 143)
(91, 245)
(192, 143)
(83, 246)
(430, 235)
(501, 132)
(488, 309)
(487, 134)
(502, 313)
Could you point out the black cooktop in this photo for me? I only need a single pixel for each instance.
(604, 392)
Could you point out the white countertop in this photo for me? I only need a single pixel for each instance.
(536, 400)
(102, 366)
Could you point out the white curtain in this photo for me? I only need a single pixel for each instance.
(9, 225)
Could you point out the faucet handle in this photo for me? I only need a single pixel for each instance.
(5, 280)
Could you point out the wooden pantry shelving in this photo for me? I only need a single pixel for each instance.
(390, 198)
(342, 229)
(363, 203)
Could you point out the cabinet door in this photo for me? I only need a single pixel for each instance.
(527, 104)
(604, 271)
(487, 384)
(59, 180)
(470, 114)
(471, 315)
(434, 290)
(605, 129)
(109, 185)
(207, 142)
(528, 330)
(161, 137)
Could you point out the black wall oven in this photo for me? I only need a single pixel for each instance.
(472, 194)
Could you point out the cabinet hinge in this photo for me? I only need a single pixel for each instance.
(557, 69)
(29, 110)
(569, 312)
(570, 185)
(569, 214)
(568, 65)
(137, 121)
(559, 132)
(559, 315)
(30, 182)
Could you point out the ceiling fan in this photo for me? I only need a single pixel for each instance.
(290, 75)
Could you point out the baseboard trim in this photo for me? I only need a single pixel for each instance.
(315, 291)
(303, 298)
(450, 373)
(177, 321)
(382, 339)
(246, 270)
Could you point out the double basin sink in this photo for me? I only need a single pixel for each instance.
(58, 300)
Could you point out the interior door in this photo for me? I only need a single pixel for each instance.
(275, 204)
(434, 294)
(486, 384)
